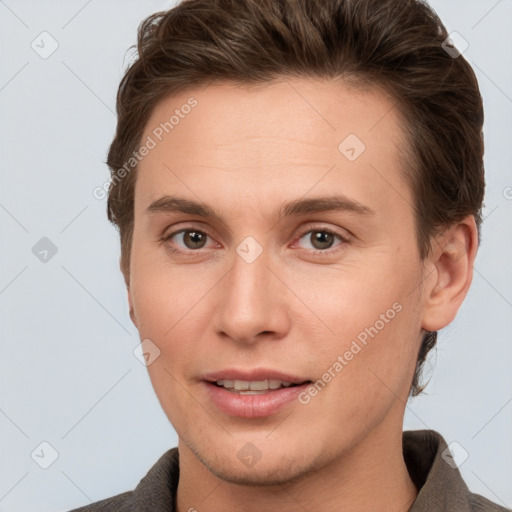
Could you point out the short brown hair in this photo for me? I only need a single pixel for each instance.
(395, 45)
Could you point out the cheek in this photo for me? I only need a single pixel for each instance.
(346, 301)
(366, 382)
(379, 362)
(172, 307)
(374, 325)
(164, 297)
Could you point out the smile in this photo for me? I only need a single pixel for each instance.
(253, 387)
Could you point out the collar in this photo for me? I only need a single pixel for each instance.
(434, 472)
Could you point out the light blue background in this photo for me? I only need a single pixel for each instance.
(68, 373)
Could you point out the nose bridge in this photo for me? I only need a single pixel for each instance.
(248, 303)
(249, 278)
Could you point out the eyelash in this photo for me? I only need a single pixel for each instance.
(320, 229)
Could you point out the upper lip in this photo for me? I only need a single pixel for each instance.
(256, 374)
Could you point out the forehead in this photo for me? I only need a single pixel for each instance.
(312, 110)
(286, 136)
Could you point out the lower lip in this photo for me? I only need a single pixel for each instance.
(253, 406)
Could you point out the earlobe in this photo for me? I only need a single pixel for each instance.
(453, 256)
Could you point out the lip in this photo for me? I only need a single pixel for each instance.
(254, 374)
(253, 406)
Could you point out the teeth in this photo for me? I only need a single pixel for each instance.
(241, 385)
(253, 385)
(274, 384)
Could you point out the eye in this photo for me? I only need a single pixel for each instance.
(322, 239)
(191, 239)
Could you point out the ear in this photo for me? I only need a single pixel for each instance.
(449, 273)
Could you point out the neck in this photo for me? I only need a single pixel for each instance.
(370, 476)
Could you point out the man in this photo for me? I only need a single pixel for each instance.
(298, 189)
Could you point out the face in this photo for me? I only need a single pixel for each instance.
(274, 247)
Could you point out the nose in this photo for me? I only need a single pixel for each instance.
(252, 302)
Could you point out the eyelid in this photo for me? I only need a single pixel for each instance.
(166, 237)
(344, 239)
(342, 233)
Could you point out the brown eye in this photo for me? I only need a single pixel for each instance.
(194, 239)
(322, 239)
(190, 239)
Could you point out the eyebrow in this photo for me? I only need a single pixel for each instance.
(170, 204)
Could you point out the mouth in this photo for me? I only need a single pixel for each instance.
(253, 394)
(254, 387)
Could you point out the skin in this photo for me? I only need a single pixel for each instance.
(244, 151)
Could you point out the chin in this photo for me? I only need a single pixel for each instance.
(276, 470)
(278, 473)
